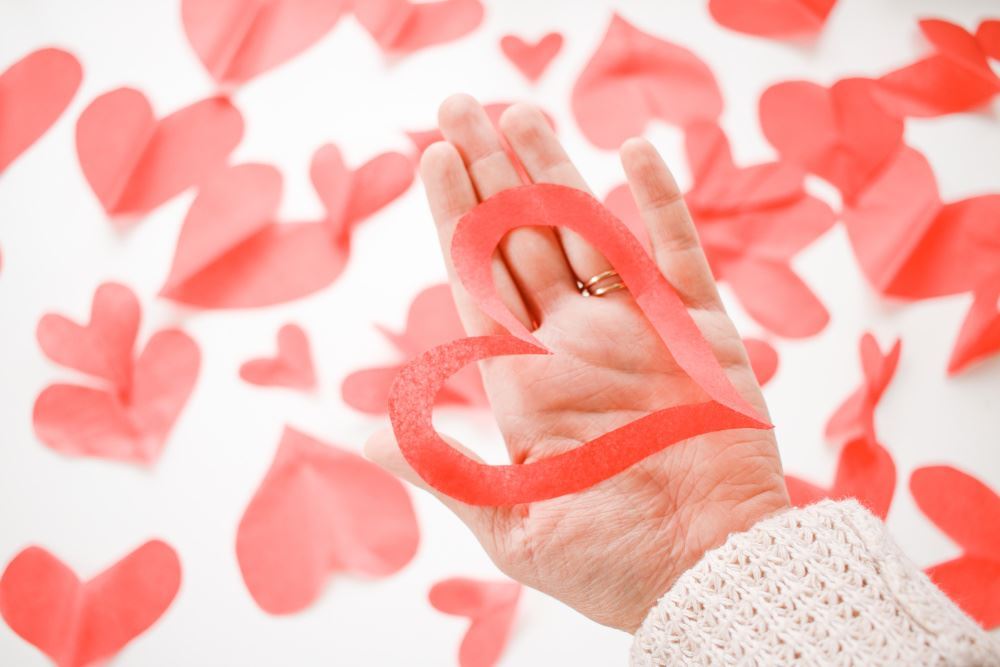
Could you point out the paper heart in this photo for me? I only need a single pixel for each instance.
(404, 26)
(855, 418)
(634, 78)
(237, 40)
(865, 472)
(531, 59)
(772, 18)
(34, 92)
(321, 509)
(980, 333)
(81, 624)
(134, 162)
(490, 607)
(763, 359)
(292, 367)
(475, 239)
(968, 512)
(839, 133)
(988, 37)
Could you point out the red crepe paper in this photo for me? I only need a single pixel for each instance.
(839, 133)
(634, 78)
(956, 77)
(865, 472)
(968, 512)
(404, 26)
(86, 623)
(432, 320)
(232, 253)
(321, 509)
(292, 367)
(855, 418)
(980, 333)
(909, 244)
(531, 59)
(34, 92)
(763, 359)
(772, 18)
(129, 415)
(490, 606)
(135, 162)
(237, 40)
(476, 237)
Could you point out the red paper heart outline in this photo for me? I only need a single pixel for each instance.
(476, 236)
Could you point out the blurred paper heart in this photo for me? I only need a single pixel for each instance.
(404, 26)
(490, 607)
(763, 359)
(531, 59)
(772, 18)
(865, 472)
(980, 333)
(854, 419)
(292, 367)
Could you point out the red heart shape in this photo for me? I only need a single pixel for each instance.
(402, 26)
(772, 18)
(135, 162)
(531, 59)
(865, 472)
(77, 623)
(855, 418)
(980, 333)
(34, 92)
(490, 607)
(292, 367)
(318, 510)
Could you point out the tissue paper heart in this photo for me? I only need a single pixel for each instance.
(475, 239)
(980, 333)
(855, 418)
(763, 359)
(233, 253)
(432, 320)
(319, 510)
(772, 18)
(404, 26)
(86, 623)
(237, 40)
(34, 92)
(839, 133)
(968, 512)
(292, 367)
(531, 59)
(865, 472)
(634, 78)
(490, 607)
(134, 162)
(956, 77)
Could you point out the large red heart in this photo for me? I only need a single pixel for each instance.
(80, 624)
(34, 92)
(291, 367)
(772, 18)
(476, 237)
(135, 162)
(531, 59)
(490, 607)
(318, 510)
(403, 26)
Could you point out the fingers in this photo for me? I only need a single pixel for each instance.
(676, 248)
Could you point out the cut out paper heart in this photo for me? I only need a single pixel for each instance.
(135, 162)
(531, 59)
(34, 92)
(634, 78)
(839, 133)
(772, 18)
(232, 253)
(321, 509)
(763, 359)
(130, 416)
(909, 244)
(490, 606)
(237, 40)
(292, 367)
(968, 512)
(86, 623)
(404, 26)
(432, 320)
(988, 36)
(865, 472)
(476, 237)
(956, 77)
(855, 418)
(980, 333)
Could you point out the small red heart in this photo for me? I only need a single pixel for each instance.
(321, 509)
(490, 606)
(135, 162)
(865, 472)
(980, 333)
(404, 26)
(855, 418)
(34, 92)
(292, 367)
(80, 624)
(763, 359)
(772, 18)
(531, 59)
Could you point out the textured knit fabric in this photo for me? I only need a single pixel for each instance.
(823, 585)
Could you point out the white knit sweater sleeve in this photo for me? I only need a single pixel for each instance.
(823, 585)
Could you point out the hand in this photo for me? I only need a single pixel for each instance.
(609, 551)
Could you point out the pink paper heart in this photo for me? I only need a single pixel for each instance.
(292, 367)
(855, 418)
(404, 26)
(490, 607)
(531, 59)
(772, 18)
(979, 336)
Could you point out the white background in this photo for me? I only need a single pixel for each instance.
(58, 247)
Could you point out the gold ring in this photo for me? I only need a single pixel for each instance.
(594, 286)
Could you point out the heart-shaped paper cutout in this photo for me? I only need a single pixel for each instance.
(855, 418)
(476, 237)
(865, 472)
(291, 367)
(135, 162)
(763, 359)
(490, 607)
(531, 59)
(320, 510)
(81, 624)
(772, 18)
(34, 92)
(404, 26)
(980, 333)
